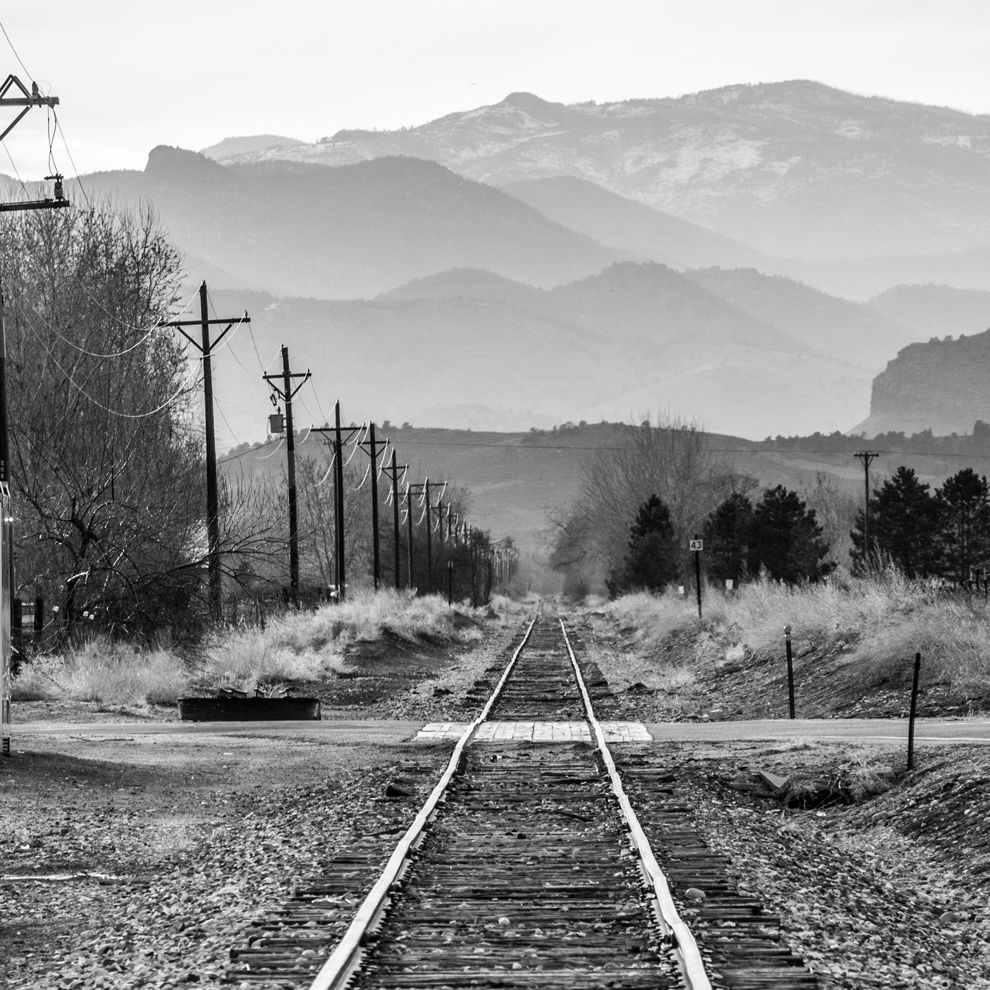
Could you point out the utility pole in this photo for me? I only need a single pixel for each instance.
(409, 534)
(867, 457)
(285, 392)
(372, 450)
(24, 102)
(205, 347)
(424, 489)
(393, 470)
(429, 541)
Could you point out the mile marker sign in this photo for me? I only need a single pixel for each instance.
(696, 545)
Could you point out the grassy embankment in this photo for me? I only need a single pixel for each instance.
(853, 642)
(300, 646)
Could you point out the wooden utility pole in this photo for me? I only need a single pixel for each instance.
(867, 457)
(372, 450)
(393, 470)
(205, 347)
(285, 392)
(337, 466)
(409, 535)
(24, 102)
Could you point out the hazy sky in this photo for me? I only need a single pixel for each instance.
(132, 75)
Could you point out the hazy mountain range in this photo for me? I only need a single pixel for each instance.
(793, 168)
(751, 256)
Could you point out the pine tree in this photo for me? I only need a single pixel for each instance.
(727, 533)
(651, 558)
(905, 524)
(785, 538)
(965, 510)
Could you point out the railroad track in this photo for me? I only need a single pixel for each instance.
(527, 866)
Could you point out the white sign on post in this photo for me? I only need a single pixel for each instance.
(696, 545)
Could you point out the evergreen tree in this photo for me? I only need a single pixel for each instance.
(651, 558)
(786, 539)
(965, 515)
(727, 538)
(905, 524)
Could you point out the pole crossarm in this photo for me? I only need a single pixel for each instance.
(287, 393)
(27, 100)
(34, 204)
(179, 324)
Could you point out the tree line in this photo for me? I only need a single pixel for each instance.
(643, 501)
(108, 449)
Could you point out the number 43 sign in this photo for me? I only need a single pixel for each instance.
(696, 545)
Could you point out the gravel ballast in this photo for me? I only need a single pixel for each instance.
(141, 861)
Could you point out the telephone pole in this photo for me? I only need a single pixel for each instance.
(393, 470)
(205, 347)
(867, 457)
(370, 447)
(24, 102)
(285, 392)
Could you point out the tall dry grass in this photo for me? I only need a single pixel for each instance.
(116, 675)
(876, 621)
(296, 646)
(307, 646)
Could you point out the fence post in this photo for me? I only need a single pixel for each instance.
(914, 710)
(790, 669)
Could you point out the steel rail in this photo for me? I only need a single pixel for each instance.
(678, 934)
(339, 966)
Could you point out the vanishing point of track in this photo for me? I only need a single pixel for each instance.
(527, 866)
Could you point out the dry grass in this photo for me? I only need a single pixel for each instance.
(308, 646)
(876, 624)
(112, 674)
(301, 646)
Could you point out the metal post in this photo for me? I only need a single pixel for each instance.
(790, 670)
(696, 544)
(914, 710)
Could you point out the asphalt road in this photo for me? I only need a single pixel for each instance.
(927, 731)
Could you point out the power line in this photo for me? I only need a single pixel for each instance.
(183, 388)
(14, 50)
(72, 161)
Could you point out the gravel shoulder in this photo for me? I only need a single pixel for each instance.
(141, 861)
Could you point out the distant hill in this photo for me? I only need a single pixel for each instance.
(863, 278)
(632, 340)
(795, 169)
(841, 329)
(940, 385)
(353, 231)
(517, 478)
(935, 310)
(233, 147)
(629, 225)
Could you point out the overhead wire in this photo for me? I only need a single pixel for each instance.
(171, 400)
(14, 50)
(72, 161)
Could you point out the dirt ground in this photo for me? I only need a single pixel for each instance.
(141, 860)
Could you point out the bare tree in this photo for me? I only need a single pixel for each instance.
(671, 459)
(106, 461)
